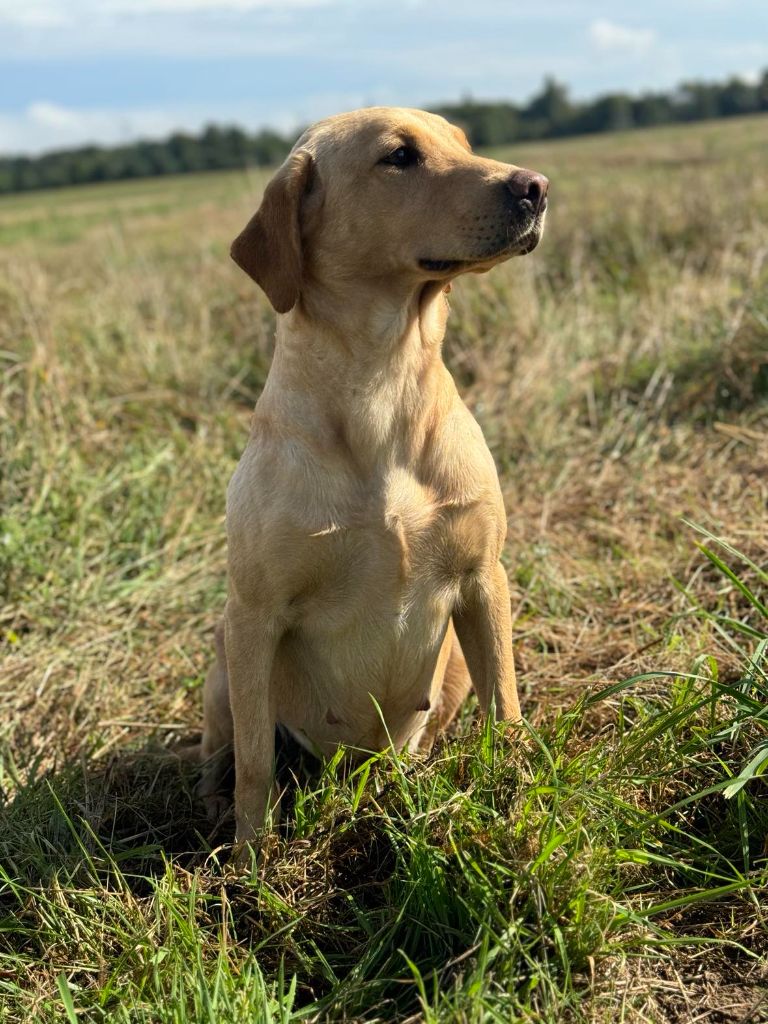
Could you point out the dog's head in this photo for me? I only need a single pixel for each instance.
(387, 193)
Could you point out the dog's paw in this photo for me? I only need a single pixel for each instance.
(218, 806)
(191, 753)
(247, 856)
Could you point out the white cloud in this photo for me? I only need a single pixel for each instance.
(33, 13)
(42, 14)
(57, 118)
(43, 126)
(185, 6)
(612, 38)
(754, 51)
(40, 29)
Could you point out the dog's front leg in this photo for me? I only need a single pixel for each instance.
(483, 623)
(251, 641)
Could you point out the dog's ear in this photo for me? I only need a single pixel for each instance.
(268, 248)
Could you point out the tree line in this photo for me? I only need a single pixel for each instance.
(549, 114)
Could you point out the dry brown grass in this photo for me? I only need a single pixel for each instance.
(620, 375)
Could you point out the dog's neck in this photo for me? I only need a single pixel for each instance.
(378, 352)
(372, 321)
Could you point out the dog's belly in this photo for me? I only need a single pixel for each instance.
(359, 666)
(363, 704)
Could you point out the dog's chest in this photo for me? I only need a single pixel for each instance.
(438, 539)
(398, 558)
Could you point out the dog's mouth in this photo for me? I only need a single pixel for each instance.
(521, 245)
(442, 266)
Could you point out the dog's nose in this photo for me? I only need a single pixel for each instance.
(529, 189)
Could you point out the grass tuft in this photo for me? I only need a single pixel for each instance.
(609, 862)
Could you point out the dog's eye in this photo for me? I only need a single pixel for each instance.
(403, 156)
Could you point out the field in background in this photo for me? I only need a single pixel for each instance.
(595, 870)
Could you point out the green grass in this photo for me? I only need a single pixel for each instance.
(609, 863)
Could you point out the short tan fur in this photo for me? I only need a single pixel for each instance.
(365, 520)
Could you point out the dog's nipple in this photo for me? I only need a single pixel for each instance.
(331, 719)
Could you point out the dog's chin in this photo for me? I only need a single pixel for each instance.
(522, 245)
(442, 266)
(528, 244)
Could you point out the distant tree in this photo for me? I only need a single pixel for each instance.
(186, 151)
(652, 109)
(550, 112)
(213, 147)
(611, 113)
(551, 109)
(268, 148)
(761, 91)
(160, 157)
(25, 174)
(738, 97)
(697, 101)
(236, 147)
(85, 165)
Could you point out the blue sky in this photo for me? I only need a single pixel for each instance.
(74, 71)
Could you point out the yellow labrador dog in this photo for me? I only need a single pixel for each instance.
(365, 519)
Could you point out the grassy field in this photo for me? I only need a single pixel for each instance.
(611, 865)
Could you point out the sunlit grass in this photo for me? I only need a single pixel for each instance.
(608, 863)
